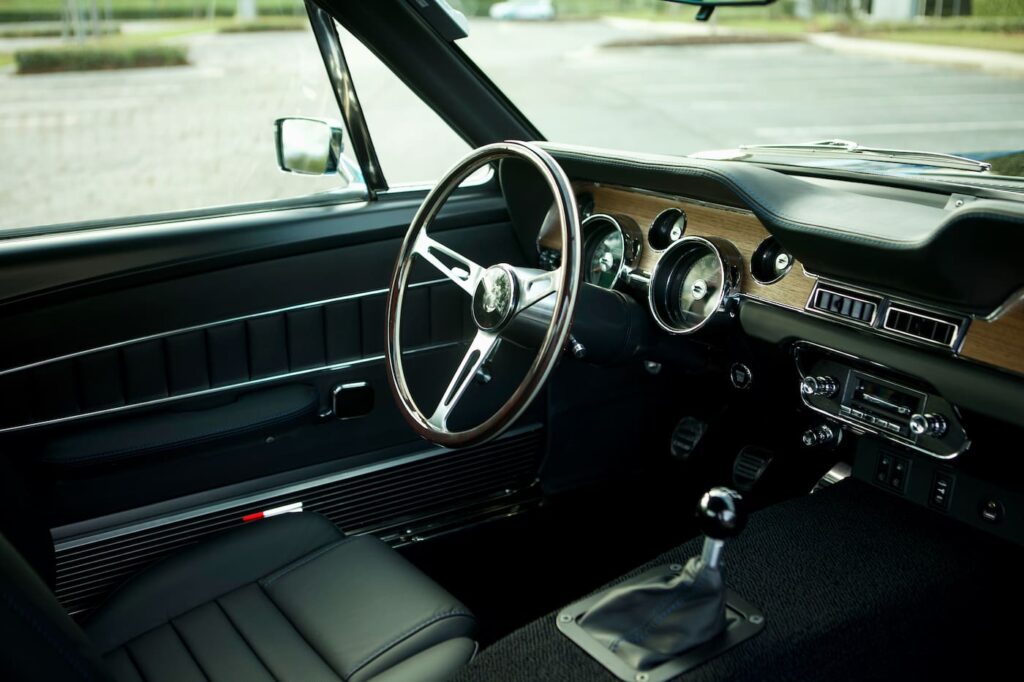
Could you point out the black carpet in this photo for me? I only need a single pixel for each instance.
(512, 571)
(855, 584)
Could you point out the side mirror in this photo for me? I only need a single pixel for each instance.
(308, 146)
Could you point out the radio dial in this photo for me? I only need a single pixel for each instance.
(930, 424)
(826, 387)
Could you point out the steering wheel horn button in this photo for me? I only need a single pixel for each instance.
(495, 298)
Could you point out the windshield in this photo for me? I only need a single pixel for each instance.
(645, 76)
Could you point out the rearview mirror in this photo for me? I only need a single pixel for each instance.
(708, 6)
(308, 146)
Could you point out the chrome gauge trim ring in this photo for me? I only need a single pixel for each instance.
(677, 215)
(763, 252)
(729, 263)
(632, 242)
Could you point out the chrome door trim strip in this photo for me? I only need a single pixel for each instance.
(77, 540)
(208, 325)
(220, 389)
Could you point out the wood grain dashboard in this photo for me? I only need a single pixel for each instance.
(740, 227)
(998, 343)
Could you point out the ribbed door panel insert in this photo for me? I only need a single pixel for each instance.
(454, 485)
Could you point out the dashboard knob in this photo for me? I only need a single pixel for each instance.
(826, 387)
(930, 424)
(820, 435)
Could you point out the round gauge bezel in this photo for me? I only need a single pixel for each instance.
(655, 228)
(769, 248)
(665, 275)
(631, 242)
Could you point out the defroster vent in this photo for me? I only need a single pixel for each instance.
(922, 326)
(855, 307)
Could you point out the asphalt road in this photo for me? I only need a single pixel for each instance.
(683, 99)
(92, 145)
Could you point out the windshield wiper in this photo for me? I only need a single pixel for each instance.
(844, 148)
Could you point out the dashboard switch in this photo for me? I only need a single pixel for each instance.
(892, 472)
(740, 376)
(826, 387)
(942, 490)
(992, 511)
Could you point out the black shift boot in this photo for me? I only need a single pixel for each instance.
(646, 623)
(651, 619)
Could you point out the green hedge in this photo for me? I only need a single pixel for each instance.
(272, 24)
(997, 8)
(51, 10)
(91, 58)
(51, 31)
(990, 24)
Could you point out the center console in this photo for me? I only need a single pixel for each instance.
(872, 399)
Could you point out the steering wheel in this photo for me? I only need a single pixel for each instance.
(498, 295)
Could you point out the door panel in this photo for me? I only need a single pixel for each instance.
(175, 350)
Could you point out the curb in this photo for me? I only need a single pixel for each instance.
(984, 60)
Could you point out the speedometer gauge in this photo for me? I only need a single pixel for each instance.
(610, 247)
(691, 283)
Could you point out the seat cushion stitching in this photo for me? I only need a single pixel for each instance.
(135, 664)
(288, 620)
(269, 580)
(177, 633)
(381, 650)
(311, 555)
(245, 639)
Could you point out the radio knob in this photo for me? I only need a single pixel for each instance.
(930, 424)
(822, 434)
(826, 387)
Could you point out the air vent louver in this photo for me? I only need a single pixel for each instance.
(854, 307)
(927, 328)
(455, 486)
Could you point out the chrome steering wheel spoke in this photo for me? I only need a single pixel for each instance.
(535, 285)
(480, 351)
(467, 275)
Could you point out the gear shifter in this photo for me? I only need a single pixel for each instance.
(664, 613)
(720, 515)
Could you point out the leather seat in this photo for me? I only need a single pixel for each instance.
(286, 598)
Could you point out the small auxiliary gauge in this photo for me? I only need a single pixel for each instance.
(668, 227)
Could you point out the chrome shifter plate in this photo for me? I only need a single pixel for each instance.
(744, 621)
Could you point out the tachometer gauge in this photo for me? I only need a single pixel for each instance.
(691, 282)
(610, 248)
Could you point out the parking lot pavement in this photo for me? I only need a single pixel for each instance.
(90, 145)
(685, 99)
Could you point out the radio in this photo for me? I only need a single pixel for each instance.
(876, 400)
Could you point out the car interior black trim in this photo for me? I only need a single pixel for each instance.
(435, 70)
(997, 394)
(903, 248)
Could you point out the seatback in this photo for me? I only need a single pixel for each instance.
(40, 641)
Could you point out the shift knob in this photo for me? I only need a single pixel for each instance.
(720, 513)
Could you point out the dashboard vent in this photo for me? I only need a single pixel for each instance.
(858, 307)
(924, 327)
